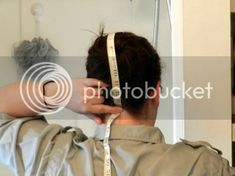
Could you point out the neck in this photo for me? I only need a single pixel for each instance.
(125, 118)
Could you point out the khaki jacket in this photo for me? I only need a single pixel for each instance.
(32, 147)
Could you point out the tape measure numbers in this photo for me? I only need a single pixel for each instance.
(116, 95)
(116, 91)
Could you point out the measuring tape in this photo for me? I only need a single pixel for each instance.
(107, 156)
(116, 91)
(116, 95)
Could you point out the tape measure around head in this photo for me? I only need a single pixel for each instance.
(116, 93)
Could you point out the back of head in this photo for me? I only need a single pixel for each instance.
(138, 66)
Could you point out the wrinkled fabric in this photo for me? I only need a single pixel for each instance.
(32, 147)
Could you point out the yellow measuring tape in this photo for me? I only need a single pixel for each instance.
(116, 95)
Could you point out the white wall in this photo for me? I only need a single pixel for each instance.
(206, 46)
(164, 48)
(8, 35)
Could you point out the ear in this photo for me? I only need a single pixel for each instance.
(156, 98)
(155, 95)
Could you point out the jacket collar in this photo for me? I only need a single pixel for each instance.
(135, 133)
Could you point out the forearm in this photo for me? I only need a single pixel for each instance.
(16, 103)
(29, 99)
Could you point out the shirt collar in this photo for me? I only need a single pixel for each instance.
(137, 133)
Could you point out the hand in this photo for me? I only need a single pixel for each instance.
(86, 98)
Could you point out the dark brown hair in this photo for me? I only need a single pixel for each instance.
(138, 63)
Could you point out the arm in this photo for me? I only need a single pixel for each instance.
(12, 103)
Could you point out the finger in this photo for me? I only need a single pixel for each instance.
(94, 117)
(94, 82)
(96, 100)
(104, 109)
(90, 91)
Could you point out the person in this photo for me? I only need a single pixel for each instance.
(31, 146)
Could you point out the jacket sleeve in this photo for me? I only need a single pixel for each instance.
(225, 169)
(19, 139)
(210, 161)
